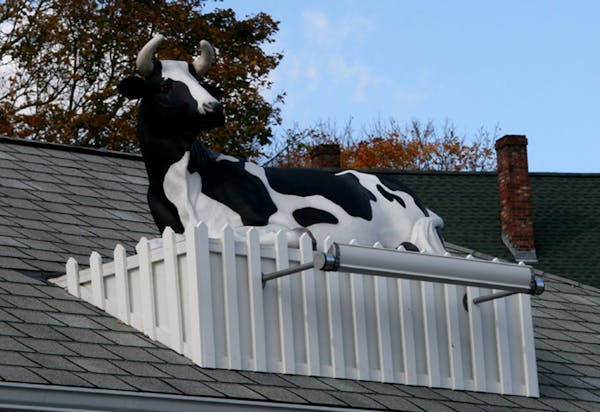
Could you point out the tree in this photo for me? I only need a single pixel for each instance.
(62, 60)
(416, 146)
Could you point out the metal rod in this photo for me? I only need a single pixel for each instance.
(288, 271)
(492, 296)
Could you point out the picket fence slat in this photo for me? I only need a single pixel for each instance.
(284, 300)
(174, 300)
(201, 329)
(73, 286)
(147, 286)
(334, 315)
(309, 307)
(257, 318)
(122, 285)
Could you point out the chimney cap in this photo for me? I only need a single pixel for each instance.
(511, 140)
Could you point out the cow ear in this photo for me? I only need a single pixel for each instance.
(133, 87)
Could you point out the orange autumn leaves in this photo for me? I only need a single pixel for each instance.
(62, 59)
(416, 146)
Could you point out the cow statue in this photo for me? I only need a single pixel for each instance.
(189, 183)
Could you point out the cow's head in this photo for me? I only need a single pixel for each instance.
(172, 93)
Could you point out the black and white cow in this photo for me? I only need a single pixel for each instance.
(189, 183)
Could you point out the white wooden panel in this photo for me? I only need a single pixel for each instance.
(284, 298)
(476, 334)
(528, 346)
(502, 344)
(122, 284)
(230, 293)
(486, 309)
(409, 346)
(257, 319)
(382, 363)
(271, 315)
(200, 296)
(370, 316)
(244, 319)
(298, 318)
(452, 299)
(136, 317)
(147, 288)
(359, 328)
(73, 282)
(309, 306)
(384, 338)
(334, 315)
(394, 315)
(432, 347)
(110, 289)
(322, 314)
(160, 304)
(173, 291)
(97, 280)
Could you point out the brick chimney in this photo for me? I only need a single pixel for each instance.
(326, 156)
(515, 197)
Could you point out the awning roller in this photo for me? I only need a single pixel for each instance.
(510, 277)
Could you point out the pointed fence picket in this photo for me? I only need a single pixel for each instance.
(205, 298)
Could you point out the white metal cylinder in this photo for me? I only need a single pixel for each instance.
(427, 267)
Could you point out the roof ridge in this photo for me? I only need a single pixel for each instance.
(564, 174)
(70, 148)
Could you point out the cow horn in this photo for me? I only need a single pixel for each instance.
(203, 62)
(143, 62)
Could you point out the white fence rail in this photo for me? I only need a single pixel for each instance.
(205, 298)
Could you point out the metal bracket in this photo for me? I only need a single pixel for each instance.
(486, 298)
(285, 272)
(492, 296)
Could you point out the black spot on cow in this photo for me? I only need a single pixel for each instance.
(344, 190)
(393, 184)
(411, 247)
(390, 196)
(308, 216)
(230, 184)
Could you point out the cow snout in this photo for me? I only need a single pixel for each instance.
(214, 108)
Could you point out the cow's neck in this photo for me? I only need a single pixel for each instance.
(161, 149)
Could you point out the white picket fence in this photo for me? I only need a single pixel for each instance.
(205, 299)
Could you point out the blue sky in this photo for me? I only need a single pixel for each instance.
(530, 67)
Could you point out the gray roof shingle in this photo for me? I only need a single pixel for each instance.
(565, 218)
(77, 202)
(49, 337)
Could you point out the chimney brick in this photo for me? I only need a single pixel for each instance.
(326, 156)
(515, 197)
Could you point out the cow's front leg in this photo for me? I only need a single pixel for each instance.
(164, 212)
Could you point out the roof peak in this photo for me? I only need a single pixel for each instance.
(69, 148)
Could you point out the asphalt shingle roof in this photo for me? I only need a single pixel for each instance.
(57, 202)
(56, 339)
(565, 217)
